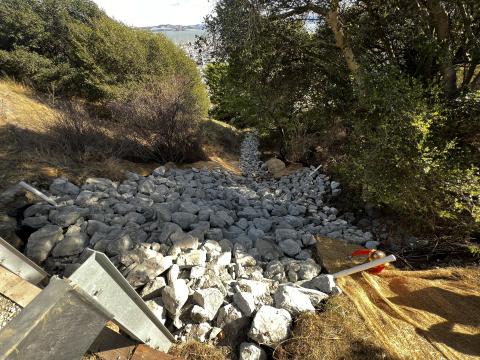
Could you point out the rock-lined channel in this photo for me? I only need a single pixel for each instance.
(209, 251)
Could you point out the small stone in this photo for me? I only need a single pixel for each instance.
(270, 326)
(153, 289)
(251, 351)
(158, 309)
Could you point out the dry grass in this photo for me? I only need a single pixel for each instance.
(337, 333)
(26, 152)
(194, 350)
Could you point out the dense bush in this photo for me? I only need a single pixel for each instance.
(162, 122)
(385, 92)
(70, 47)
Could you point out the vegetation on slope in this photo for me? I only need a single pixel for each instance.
(149, 97)
(386, 92)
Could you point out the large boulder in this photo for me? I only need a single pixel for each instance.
(275, 166)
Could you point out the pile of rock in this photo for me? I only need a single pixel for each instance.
(209, 251)
(250, 164)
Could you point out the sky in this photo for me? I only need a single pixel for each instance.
(156, 12)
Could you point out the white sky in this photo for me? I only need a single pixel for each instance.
(155, 12)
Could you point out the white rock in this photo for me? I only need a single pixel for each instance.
(158, 309)
(209, 299)
(323, 283)
(270, 326)
(251, 351)
(292, 300)
(245, 302)
(192, 258)
(175, 296)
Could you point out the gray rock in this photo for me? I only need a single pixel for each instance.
(285, 234)
(221, 219)
(184, 220)
(268, 250)
(62, 186)
(189, 207)
(148, 269)
(251, 351)
(42, 241)
(290, 247)
(147, 187)
(292, 300)
(35, 222)
(270, 326)
(74, 242)
(323, 283)
(66, 216)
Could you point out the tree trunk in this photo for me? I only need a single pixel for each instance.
(442, 28)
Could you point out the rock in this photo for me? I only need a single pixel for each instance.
(290, 247)
(153, 289)
(251, 351)
(73, 243)
(210, 300)
(323, 283)
(285, 234)
(160, 171)
(119, 245)
(197, 272)
(268, 250)
(175, 296)
(42, 241)
(173, 274)
(372, 245)
(221, 219)
(275, 166)
(245, 302)
(148, 269)
(292, 300)
(62, 186)
(147, 187)
(192, 258)
(316, 297)
(231, 318)
(189, 207)
(184, 220)
(270, 326)
(35, 222)
(262, 224)
(158, 309)
(66, 216)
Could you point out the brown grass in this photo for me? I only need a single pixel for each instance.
(26, 152)
(194, 350)
(337, 333)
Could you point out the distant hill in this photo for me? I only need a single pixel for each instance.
(180, 34)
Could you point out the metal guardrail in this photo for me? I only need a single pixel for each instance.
(99, 278)
(17, 263)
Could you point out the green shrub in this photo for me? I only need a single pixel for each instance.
(72, 46)
(404, 155)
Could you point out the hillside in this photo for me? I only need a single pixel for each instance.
(26, 154)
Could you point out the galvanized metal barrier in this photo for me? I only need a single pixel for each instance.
(99, 278)
(17, 263)
(60, 323)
